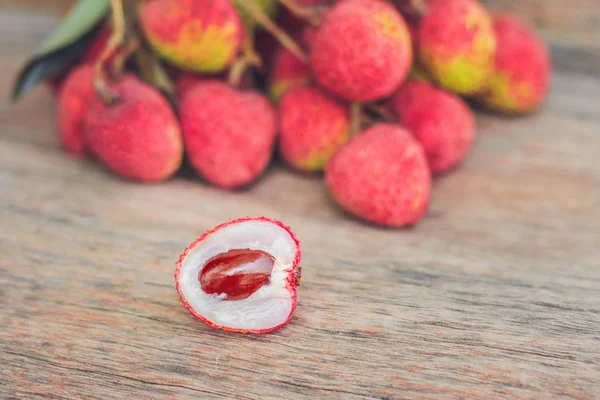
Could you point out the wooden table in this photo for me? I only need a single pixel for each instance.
(496, 294)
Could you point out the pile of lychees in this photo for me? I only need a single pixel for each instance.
(371, 92)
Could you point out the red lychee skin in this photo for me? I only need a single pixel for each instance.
(439, 120)
(457, 45)
(522, 75)
(381, 176)
(74, 100)
(313, 126)
(139, 137)
(287, 71)
(307, 37)
(186, 81)
(229, 134)
(311, 2)
(292, 281)
(362, 50)
(198, 35)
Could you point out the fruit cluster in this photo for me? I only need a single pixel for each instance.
(371, 92)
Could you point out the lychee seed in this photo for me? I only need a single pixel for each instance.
(241, 276)
(237, 273)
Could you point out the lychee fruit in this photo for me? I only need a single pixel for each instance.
(381, 176)
(74, 99)
(199, 35)
(523, 69)
(186, 80)
(313, 125)
(439, 120)
(229, 134)
(138, 137)
(362, 50)
(287, 71)
(241, 276)
(457, 45)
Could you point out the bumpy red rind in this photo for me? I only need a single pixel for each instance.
(381, 176)
(229, 134)
(441, 121)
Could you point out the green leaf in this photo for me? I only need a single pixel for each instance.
(63, 46)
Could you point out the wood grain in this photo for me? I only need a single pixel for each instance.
(494, 295)
(567, 22)
(555, 14)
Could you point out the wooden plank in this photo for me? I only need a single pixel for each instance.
(494, 295)
(555, 14)
(565, 21)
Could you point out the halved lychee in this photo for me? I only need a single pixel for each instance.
(241, 276)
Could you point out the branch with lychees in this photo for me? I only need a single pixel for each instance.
(374, 93)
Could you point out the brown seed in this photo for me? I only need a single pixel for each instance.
(238, 273)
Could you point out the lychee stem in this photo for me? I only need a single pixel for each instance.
(355, 118)
(116, 39)
(121, 57)
(236, 71)
(283, 38)
(251, 54)
(248, 58)
(305, 13)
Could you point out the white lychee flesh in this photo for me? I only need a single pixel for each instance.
(272, 305)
